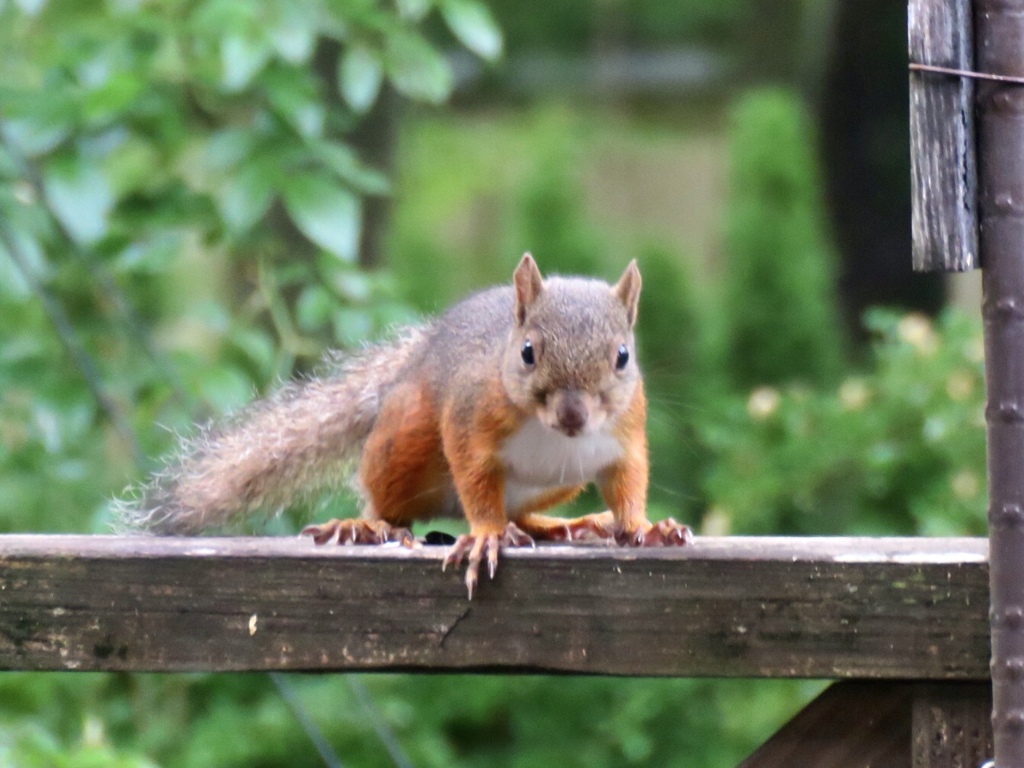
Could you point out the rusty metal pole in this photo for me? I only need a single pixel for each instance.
(999, 49)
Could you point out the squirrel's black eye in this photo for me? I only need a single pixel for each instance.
(623, 358)
(527, 353)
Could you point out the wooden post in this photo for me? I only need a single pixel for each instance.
(940, 34)
(943, 177)
(999, 31)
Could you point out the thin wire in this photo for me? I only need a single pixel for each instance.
(915, 67)
(80, 357)
(309, 725)
(385, 734)
(129, 317)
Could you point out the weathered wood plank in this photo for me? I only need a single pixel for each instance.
(871, 724)
(952, 725)
(870, 608)
(852, 724)
(944, 221)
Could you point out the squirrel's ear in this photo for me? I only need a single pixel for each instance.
(628, 290)
(528, 283)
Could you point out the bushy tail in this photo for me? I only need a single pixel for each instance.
(298, 442)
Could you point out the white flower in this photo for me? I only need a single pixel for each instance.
(917, 331)
(854, 394)
(763, 402)
(717, 522)
(965, 484)
(959, 385)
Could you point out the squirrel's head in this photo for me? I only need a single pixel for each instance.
(571, 356)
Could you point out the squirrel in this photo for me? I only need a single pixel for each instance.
(508, 404)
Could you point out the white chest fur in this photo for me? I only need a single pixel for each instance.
(538, 458)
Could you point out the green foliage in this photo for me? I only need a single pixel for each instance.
(552, 223)
(896, 449)
(782, 322)
(27, 746)
(439, 720)
(681, 377)
(574, 24)
(176, 180)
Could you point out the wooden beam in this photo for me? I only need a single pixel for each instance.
(952, 725)
(852, 724)
(750, 607)
(871, 723)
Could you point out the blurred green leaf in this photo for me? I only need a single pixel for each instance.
(354, 286)
(80, 196)
(360, 73)
(417, 69)
(257, 347)
(112, 95)
(152, 255)
(30, 746)
(314, 308)
(12, 282)
(131, 166)
(241, 59)
(294, 36)
(31, 7)
(245, 196)
(226, 388)
(472, 23)
(414, 10)
(352, 325)
(296, 99)
(34, 135)
(326, 213)
(228, 146)
(343, 161)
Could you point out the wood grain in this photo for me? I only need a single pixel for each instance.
(751, 607)
(952, 725)
(944, 185)
(885, 724)
(852, 724)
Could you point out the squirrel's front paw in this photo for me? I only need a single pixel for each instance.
(479, 545)
(359, 531)
(664, 533)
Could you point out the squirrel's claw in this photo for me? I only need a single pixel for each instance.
(359, 532)
(599, 525)
(473, 547)
(664, 533)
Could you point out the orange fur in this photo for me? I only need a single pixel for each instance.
(472, 452)
(552, 498)
(403, 470)
(624, 484)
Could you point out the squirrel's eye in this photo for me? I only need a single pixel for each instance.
(623, 358)
(527, 353)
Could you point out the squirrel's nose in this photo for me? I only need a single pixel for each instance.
(571, 413)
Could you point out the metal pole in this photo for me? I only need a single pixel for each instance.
(999, 47)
